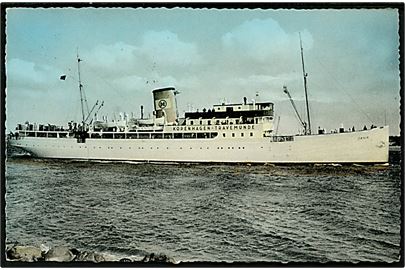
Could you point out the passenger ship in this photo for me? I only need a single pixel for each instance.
(231, 133)
(240, 133)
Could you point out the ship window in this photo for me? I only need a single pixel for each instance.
(251, 134)
(119, 136)
(191, 122)
(157, 136)
(217, 123)
(236, 121)
(214, 134)
(242, 134)
(233, 134)
(95, 135)
(143, 135)
(178, 135)
(168, 136)
(209, 122)
(131, 136)
(189, 135)
(257, 120)
(200, 122)
(107, 136)
(223, 134)
(202, 135)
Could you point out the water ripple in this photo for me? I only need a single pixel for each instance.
(207, 212)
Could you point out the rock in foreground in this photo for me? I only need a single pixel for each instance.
(65, 254)
(24, 253)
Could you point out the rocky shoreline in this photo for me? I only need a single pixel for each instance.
(22, 253)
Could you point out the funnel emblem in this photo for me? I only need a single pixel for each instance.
(162, 104)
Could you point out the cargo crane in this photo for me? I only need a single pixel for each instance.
(304, 125)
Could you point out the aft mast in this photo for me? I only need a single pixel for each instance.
(308, 129)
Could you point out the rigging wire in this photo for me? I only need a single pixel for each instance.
(126, 101)
(358, 107)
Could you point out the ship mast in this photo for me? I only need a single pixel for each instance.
(80, 85)
(308, 130)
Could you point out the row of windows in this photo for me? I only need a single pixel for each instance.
(230, 122)
(205, 135)
(242, 134)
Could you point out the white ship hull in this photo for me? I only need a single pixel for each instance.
(368, 146)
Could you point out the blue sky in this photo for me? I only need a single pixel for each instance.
(209, 55)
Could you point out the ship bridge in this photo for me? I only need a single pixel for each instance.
(246, 110)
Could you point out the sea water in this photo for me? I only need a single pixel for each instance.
(207, 212)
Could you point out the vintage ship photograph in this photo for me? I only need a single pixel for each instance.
(185, 135)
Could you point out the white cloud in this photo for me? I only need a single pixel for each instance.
(166, 48)
(263, 40)
(25, 74)
(157, 51)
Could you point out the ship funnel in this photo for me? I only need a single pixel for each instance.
(165, 103)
